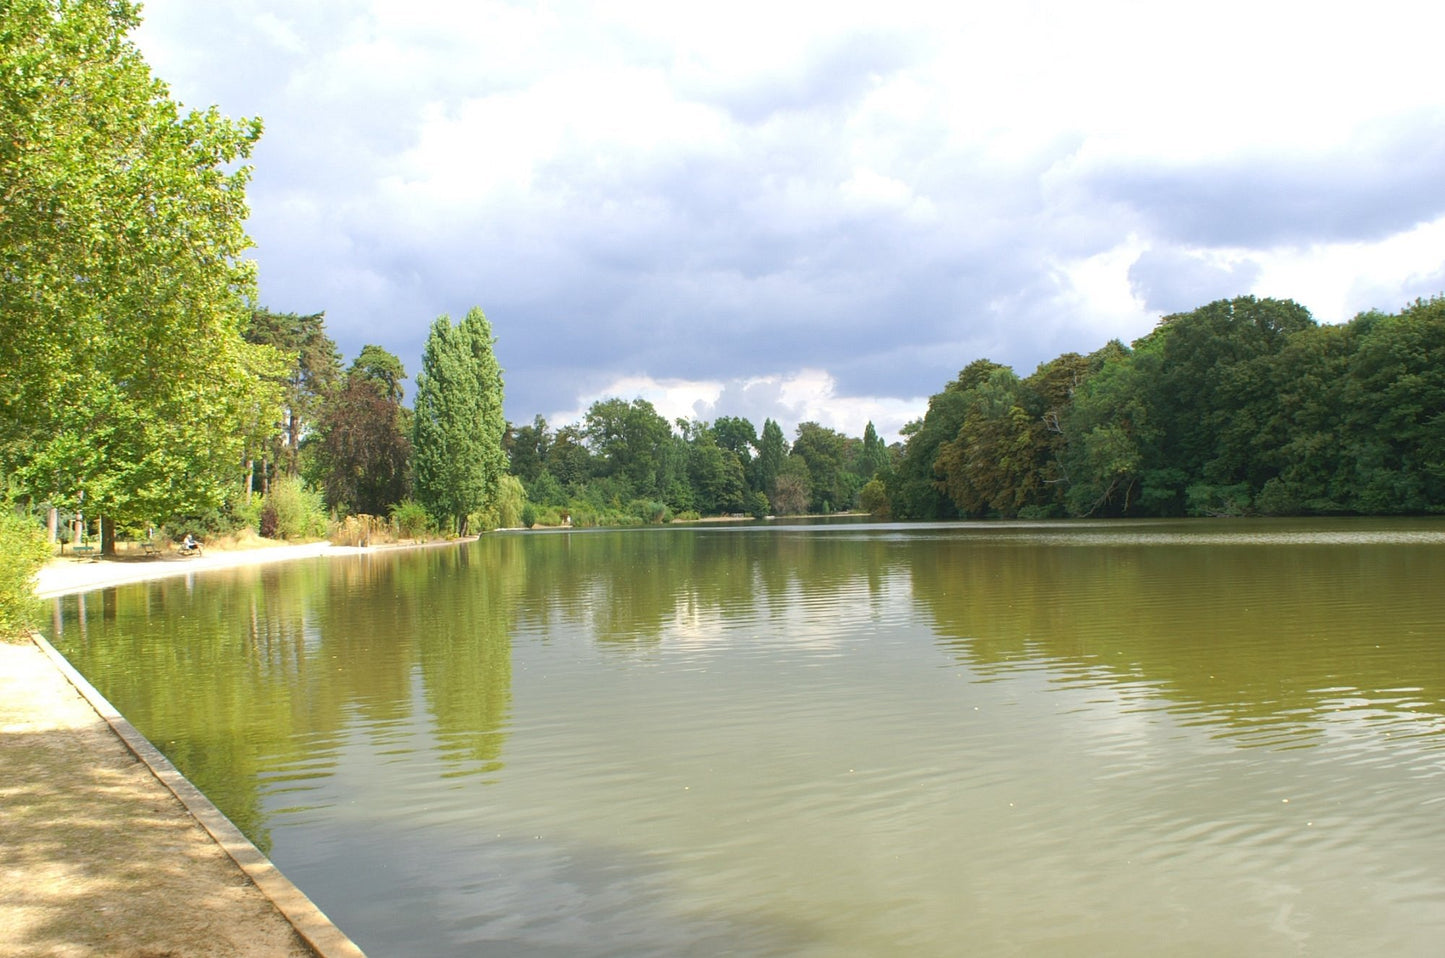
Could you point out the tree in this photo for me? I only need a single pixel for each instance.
(792, 489)
(313, 367)
(824, 450)
(458, 458)
(772, 453)
(874, 456)
(382, 368)
(362, 449)
(123, 375)
(631, 443)
(715, 473)
(528, 449)
(738, 436)
(915, 492)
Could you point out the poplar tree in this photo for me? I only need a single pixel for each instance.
(457, 454)
(772, 453)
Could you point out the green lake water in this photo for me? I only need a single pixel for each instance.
(1193, 738)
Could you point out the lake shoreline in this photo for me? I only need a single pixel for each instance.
(69, 576)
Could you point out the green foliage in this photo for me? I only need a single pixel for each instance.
(873, 458)
(546, 490)
(825, 453)
(772, 452)
(381, 368)
(312, 368)
(360, 454)
(505, 509)
(23, 550)
(1240, 407)
(457, 458)
(123, 374)
(632, 444)
(873, 499)
(527, 449)
(529, 516)
(412, 520)
(293, 510)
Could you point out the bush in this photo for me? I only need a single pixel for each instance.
(361, 530)
(23, 550)
(293, 510)
(412, 521)
(873, 499)
(529, 515)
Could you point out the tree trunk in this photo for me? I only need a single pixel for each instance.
(52, 524)
(107, 537)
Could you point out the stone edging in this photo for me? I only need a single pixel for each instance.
(315, 929)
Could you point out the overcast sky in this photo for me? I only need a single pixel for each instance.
(817, 210)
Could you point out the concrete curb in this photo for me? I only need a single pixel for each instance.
(318, 931)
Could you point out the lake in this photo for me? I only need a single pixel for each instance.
(1127, 738)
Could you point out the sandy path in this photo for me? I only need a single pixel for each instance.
(65, 576)
(98, 855)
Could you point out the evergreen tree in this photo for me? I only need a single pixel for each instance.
(874, 458)
(458, 459)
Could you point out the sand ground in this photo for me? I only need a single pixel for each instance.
(98, 854)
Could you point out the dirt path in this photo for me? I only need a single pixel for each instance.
(97, 856)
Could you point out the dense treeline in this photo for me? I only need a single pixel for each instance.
(624, 462)
(1243, 406)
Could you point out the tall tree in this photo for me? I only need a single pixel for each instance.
(772, 454)
(457, 456)
(123, 375)
(825, 451)
(381, 367)
(362, 445)
(313, 367)
(632, 442)
(528, 449)
(873, 458)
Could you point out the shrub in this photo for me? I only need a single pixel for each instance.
(23, 550)
(361, 531)
(529, 515)
(412, 521)
(293, 510)
(873, 499)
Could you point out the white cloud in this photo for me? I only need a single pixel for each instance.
(804, 395)
(806, 194)
(1346, 279)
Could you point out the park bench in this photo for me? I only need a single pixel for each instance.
(82, 551)
(149, 548)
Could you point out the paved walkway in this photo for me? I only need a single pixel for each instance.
(106, 850)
